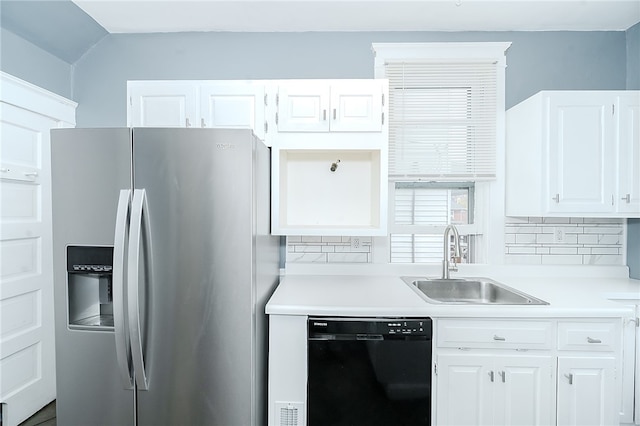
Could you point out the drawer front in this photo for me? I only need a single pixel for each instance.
(511, 334)
(593, 336)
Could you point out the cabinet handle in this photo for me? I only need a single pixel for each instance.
(499, 338)
(334, 113)
(31, 174)
(202, 123)
(324, 115)
(590, 340)
(556, 198)
(627, 198)
(187, 122)
(491, 375)
(569, 377)
(503, 375)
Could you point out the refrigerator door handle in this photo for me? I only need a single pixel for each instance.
(139, 226)
(123, 348)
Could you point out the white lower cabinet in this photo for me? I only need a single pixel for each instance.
(528, 372)
(586, 390)
(483, 389)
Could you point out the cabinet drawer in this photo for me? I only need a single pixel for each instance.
(593, 336)
(494, 334)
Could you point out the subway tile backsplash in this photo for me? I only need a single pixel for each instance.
(531, 240)
(568, 241)
(315, 249)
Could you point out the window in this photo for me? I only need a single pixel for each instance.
(446, 118)
(421, 211)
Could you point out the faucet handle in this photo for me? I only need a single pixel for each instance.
(453, 263)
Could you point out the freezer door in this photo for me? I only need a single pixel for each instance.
(199, 307)
(89, 168)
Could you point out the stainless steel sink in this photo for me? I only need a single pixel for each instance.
(477, 291)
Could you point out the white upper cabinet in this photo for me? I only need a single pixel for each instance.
(219, 104)
(627, 129)
(329, 167)
(225, 105)
(325, 105)
(329, 142)
(162, 104)
(580, 130)
(574, 153)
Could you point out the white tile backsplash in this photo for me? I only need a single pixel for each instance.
(315, 249)
(586, 241)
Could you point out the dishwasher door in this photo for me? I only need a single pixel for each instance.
(369, 371)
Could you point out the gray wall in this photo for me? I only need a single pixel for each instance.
(536, 61)
(25, 60)
(633, 83)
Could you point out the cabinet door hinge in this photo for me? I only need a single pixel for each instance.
(383, 99)
(276, 117)
(637, 322)
(277, 99)
(613, 109)
(265, 99)
(435, 369)
(130, 101)
(382, 118)
(266, 127)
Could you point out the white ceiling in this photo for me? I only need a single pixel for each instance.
(147, 16)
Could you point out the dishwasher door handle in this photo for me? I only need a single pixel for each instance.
(369, 337)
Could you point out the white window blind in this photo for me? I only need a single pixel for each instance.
(442, 123)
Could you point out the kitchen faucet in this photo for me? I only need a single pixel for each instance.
(447, 251)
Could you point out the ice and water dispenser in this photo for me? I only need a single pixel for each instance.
(90, 288)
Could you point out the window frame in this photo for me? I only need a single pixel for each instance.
(488, 195)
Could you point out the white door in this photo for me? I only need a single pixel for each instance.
(356, 107)
(303, 107)
(628, 139)
(580, 153)
(464, 390)
(523, 393)
(162, 104)
(586, 391)
(231, 105)
(27, 353)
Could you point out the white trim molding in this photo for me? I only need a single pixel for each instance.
(28, 96)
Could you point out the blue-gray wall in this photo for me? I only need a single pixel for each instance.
(97, 81)
(536, 61)
(25, 60)
(633, 83)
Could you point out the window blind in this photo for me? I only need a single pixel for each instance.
(442, 123)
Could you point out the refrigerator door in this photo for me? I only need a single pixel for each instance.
(200, 334)
(89, 168)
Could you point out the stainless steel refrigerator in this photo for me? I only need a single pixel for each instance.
(163, 264)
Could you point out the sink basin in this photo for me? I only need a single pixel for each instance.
(478, 291)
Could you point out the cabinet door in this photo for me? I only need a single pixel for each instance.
(580, 152)
(586, 391)
(356, 107)
(523, 393)
(162, 104)
(303, 107)
(628, 141)
(464, 390)
(231, 105)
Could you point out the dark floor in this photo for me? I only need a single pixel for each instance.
(44, 417)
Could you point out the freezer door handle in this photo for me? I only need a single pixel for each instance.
(139, 263)
(123, 348)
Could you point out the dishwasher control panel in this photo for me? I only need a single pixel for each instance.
(370, 326)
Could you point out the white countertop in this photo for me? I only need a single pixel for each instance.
(379, 291)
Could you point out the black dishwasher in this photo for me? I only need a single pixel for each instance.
(369, 371)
